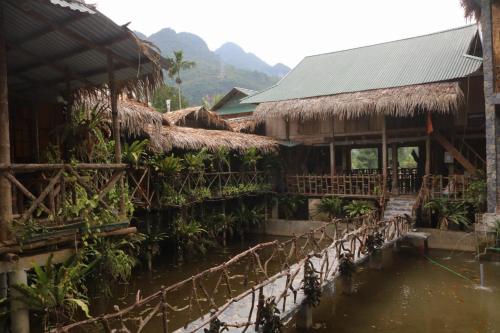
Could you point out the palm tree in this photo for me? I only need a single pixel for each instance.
(176, 65)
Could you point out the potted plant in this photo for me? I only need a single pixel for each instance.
(449, 212)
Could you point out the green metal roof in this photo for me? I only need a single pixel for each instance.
(230, 103)
(235, 109)
(436, 57)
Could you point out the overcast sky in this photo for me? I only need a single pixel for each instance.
(287, 30)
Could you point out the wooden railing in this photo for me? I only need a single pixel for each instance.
(362, 185)
(409, 181)
(148, 187)
(454, 187)
(47, 192)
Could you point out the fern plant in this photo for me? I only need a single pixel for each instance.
(358, 208)
(448, 211)
(331, 206)
(134, 153)
(56, 291)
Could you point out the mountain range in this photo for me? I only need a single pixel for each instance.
(216, 72)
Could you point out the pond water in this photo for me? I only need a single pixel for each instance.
(408, 292)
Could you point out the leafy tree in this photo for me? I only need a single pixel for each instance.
(209, 101)
(366, 158)
(164, 93)
(176, 65)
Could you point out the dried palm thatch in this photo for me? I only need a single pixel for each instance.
(472, 9)
(187, 138)
(197, 117)
(441, 97)
(242, 124)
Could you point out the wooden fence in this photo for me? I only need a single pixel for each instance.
(361, 185)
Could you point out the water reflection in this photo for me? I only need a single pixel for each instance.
(412, 294)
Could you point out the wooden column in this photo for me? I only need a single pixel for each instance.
(428, 155)
(332, 151)
(5, 187)
(394, 153)
(384, 150)
(116, 127)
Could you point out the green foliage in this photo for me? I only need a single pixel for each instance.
(195, 162)
(135, 152)
(200, 193)
(170, 197)
(346, 265)
(365, 158)
(270, 318)
(289, 204)
(358, 208)
(248, 218)
(176, 65)
(332, 206)
(250, 158)
(164, 93)
(448, 211)
(476, 195)
(312, 285)
(209, 101)
(235, 190)
(84, 131)
(223, 226)
(55, 291)
(221, 159)
(112, 259)
(168, 165)
(190, 236)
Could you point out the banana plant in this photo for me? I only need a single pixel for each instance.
(134, 153)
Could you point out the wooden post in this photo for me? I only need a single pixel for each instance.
(19, 313)
(428, 155)
(116, 127)
(332, 151)
(384, 151)
(395, 188)
(5, 187)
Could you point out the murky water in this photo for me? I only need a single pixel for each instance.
(407, 292)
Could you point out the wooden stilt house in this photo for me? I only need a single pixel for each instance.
(424, 94)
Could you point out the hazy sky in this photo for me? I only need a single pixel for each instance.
(287, 30)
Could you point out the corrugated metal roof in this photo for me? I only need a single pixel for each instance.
(236, 109)
(73, 5)
(245, 91)
(32, 27)
(435, 57)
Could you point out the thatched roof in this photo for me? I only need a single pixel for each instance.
(196, 138)
(472, 8)
(137, 119)
(197, 117)
(443, 97)
(242, 124)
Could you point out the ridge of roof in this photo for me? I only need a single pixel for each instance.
(391, 41)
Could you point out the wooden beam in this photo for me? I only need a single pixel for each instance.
(457, 155)
(332, 150)
(113, 92)
(74, 35)
(5, 186)
(49, 28)
(69, 54)
(69, 74)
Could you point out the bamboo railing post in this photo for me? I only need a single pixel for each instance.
(5, 186)
(384, 151)
(260, 306)
(116, 128)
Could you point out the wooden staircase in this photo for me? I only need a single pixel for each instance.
(465, 155)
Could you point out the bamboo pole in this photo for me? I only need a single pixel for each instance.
(5, 186)
(332, 150)
(116, 127)
(428, 155)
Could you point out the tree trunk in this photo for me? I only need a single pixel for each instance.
(180, 100)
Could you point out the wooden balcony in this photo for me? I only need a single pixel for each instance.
(149, 188)
(52, 201)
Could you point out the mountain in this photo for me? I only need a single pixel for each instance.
(211, 76)
(234, 55)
